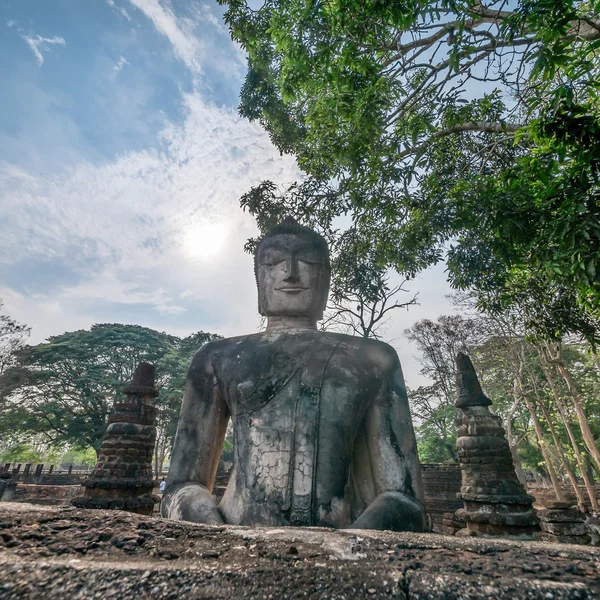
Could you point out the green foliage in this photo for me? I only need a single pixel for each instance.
(227, 451)
(378, 102)
(12, 337)
(65, 388)
(516, 375)
(21, 453)
(436, 436)
(85, 458)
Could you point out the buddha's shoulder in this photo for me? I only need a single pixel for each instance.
(367, 350)
(346, 347)
(218, 347)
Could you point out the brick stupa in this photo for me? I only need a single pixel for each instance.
(122, 479)
(495, 501)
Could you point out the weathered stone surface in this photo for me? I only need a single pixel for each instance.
(563, 539)
(568, 514)
(564, 524)
(564, 528)
(67, 553)
(322, 424)
(122, 478)
(495, 502)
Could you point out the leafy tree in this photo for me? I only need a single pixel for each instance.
(439, 342)
(436, 429)
(21, 453)
(174, 364)
(79, 458)
(457, 128)
(12, 337)
(65, 388)
(352, 312)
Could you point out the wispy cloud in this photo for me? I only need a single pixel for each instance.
(120, 9)
(179, 31)
(203, 12)
(38, 43)
(120, 64)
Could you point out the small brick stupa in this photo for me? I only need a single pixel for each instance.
(122, 478)
(495, 502)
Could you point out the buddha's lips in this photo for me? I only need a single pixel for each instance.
(291, 289)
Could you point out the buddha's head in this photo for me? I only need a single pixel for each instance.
(292, 271)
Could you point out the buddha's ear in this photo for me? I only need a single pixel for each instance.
(326, 281)
(262, 309)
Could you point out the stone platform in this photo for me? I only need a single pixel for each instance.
(63, 553)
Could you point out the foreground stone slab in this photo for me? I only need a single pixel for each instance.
(59, 552)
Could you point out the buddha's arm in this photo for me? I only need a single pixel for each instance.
(200, 432)
(387, 464)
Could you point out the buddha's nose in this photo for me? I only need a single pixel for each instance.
(292, 272)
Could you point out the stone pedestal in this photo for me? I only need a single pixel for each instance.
(563, 523)
(495, 502)
(123, 477)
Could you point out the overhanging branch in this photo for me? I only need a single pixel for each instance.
(480, 127)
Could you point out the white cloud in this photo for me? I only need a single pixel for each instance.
(38, 43)
(120, 9)
(120, 64)
(204, 12)
(10, 173)
(123, 230)
(180, 32)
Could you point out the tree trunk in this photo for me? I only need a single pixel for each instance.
(544, 450)
(512, 444)
(596, 360)
(562, 409)
(588, 437)
(162, 454)
(159, 435)
(561, 454)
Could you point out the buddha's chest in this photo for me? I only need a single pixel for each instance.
(295, 421)
(276, 385)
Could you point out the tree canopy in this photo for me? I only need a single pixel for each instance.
(64, 388)
(461, 130)
(12, 337)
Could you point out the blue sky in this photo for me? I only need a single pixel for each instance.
(122, 160)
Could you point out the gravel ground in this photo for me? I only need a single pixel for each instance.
(63, 553)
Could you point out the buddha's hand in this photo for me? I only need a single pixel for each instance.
(394, 511)
(190, 502)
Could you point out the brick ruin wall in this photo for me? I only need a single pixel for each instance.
(441, 483)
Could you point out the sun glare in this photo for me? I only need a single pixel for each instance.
(204, 240)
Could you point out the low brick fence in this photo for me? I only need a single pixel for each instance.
(40, 474)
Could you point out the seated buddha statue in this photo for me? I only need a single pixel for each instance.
(322, 430)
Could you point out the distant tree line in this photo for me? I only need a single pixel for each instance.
(57, 395)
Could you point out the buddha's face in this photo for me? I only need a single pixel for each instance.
(292, 277)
